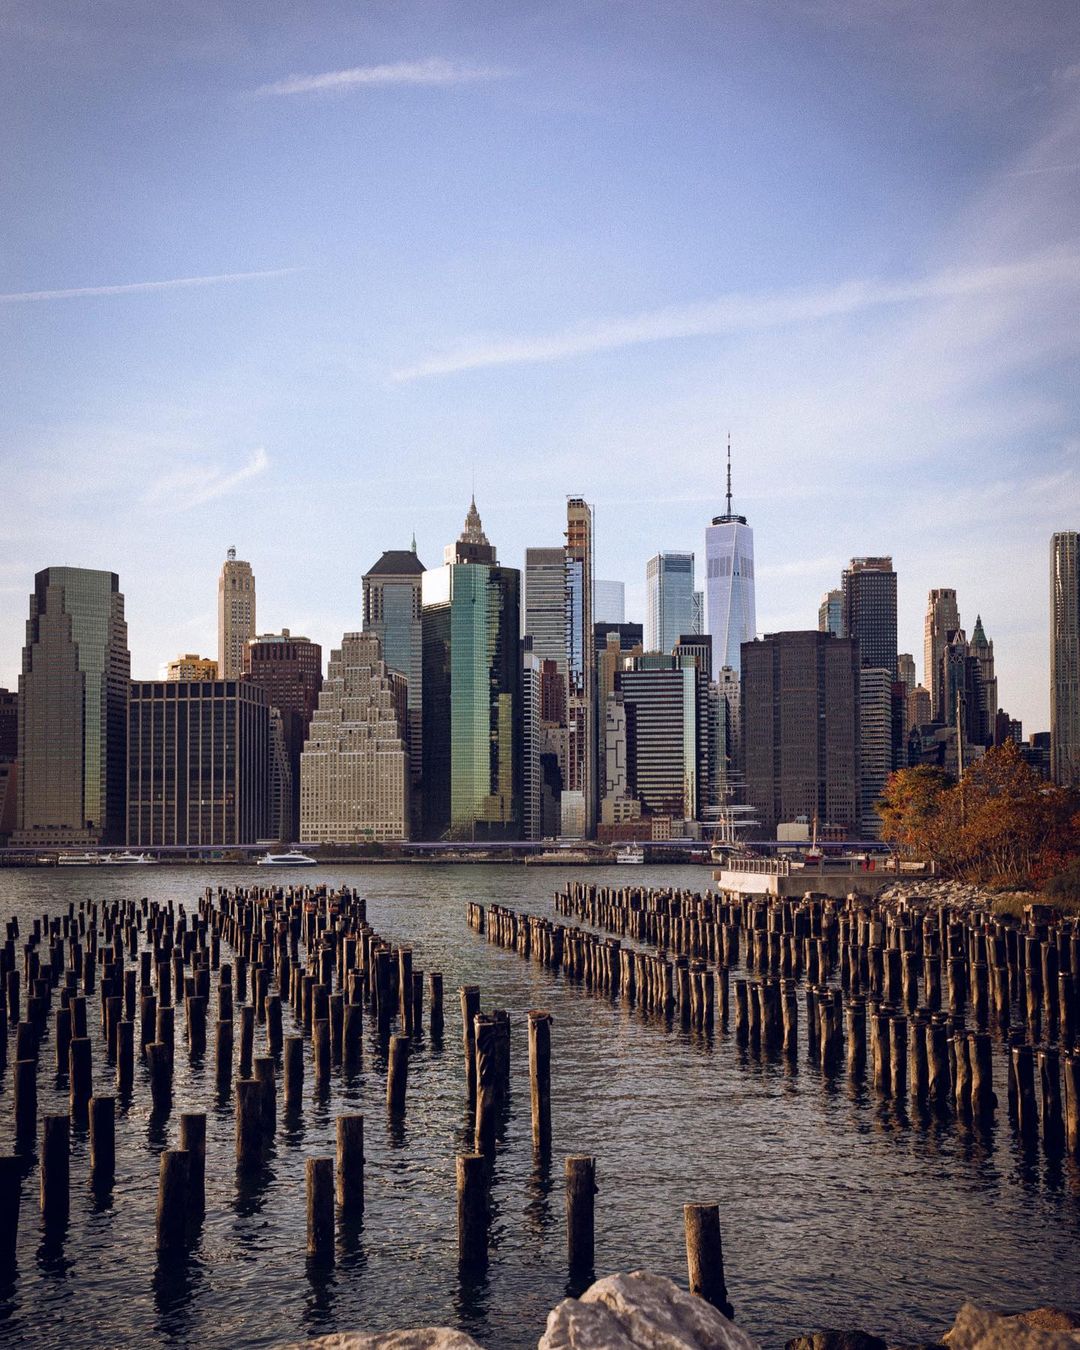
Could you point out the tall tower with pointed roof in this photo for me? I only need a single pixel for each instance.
(236, 614)
(729, 583)
(982, 649)
(472, 706)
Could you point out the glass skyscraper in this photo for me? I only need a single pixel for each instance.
(73, 695)
(729, 584)
(472, 777)
(670, 609)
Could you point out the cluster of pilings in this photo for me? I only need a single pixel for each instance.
(913, 1001)
(134, 984)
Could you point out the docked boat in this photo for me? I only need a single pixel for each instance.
(79, 860)
(631, 853)
(293, 859)
(129, 860)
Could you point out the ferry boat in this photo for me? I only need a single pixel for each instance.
(129, 860)
(631, 853)
(79, 860)
(293, 859)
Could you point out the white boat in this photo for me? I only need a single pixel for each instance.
(293, 859)
(130, 860)
(79, 860)
(632, 853)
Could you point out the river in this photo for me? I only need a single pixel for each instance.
(836, 1212)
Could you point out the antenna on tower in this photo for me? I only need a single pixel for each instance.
(729, 473)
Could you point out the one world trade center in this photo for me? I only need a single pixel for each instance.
(729, 583)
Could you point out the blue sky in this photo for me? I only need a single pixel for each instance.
(553, 248)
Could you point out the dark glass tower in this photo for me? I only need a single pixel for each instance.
(73, 695)
(472, 713)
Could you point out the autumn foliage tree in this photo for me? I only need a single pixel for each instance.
(1000, 824)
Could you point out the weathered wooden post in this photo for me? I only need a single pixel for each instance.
(540, 1078)
(293, 1068)
(249, 1123)
(487, 1084)
(470, 1006)
(1072, 1102)
(352, 1034)
(983, 1100)
(350, 1164)
(320, 1208)
(472, 1211)
(61, 1039)
(581, 1190)
(223, 1056)
(321, 1054)
(247, 1040)
(10, 1198)
(264, 1076)
(25, 1099)
(125, 1056)
(1050, 1095)
(193, 1143)
(102, 1140)
(80, 1076)
(435, 1000)
(397, 1074)
(173, 1182)
(705, 1256)
(160, 1063)
(55, 1167)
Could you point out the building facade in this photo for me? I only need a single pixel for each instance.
(198, 764)
(579, 797)
(658, 700)
(472, 771)
(800, 713)
(942, 621)
(236, 614)
(982, 650)
(830, 615)
(72, 711)
(609, 601)
(669, 600)
(9, 751)
(192, 667)
(392, 602)
(289, 668)
(869, 590)
(354, 772)
(545, 604)
(1065, 657)
(729, 584)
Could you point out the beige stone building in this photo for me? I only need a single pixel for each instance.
(354, 771)
(236, 615)
(192, 667)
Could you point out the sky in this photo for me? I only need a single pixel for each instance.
(298, 278)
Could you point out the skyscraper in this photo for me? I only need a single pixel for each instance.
(869, 590)
(729, 583)
(472, 778)
(73, 695)
(545, 603)
(579, 799)
(354, 772)
(236, 614)
(392, 600)
(800, 710)
(830, 615)
(1065, 657)
(942, 620)
(666, 746)
(609, 601)
(9, 749)
(289, 668)
(198, 769)
(191, 666)
(905, 671)
(669, 600)
(982, 649)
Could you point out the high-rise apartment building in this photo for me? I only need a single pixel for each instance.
(869, 590)
(905, 672)
(800, 711)
(192, 667)
(660, 703)
(354, 772)
(545, 604)
(532, 769)
(830, 615)
(392, 601)
(729, 583)
(669, 600)
(198, 766)
(875, 745)
(579, 797)
(942, 621)
(73, 695)
(289, 668)
(472, 692)
(1065, 657)
(609, 601)
(236, 614)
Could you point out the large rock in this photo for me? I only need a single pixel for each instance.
(416, 1338)
(640, 1310)
(1041, 1329)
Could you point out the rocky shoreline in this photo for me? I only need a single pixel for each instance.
(643, 1311)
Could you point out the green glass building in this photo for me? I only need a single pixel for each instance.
(472, 711)
(73, 695)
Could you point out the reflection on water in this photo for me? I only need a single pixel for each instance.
(838, 1208)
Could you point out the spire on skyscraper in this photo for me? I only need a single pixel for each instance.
(729, 473)
(473, 532)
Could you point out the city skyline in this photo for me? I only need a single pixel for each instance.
(351, 264)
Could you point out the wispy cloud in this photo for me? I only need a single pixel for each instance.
(745, 313)
(134, 287)
(195, 485)
(433, 71)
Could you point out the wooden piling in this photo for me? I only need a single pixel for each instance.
(540, 1078)
(397, 1074)
(581, 1191)
(249, 1123)
(705, 1256)
(10, 1199)
(320, 1208)
(350, 1164)
(472, 1211)
(193, 1143)
(293, 1067)
(55, 1166)
(160, 1062)
(25, 1099)
(172, 1205)
(470, 1006)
